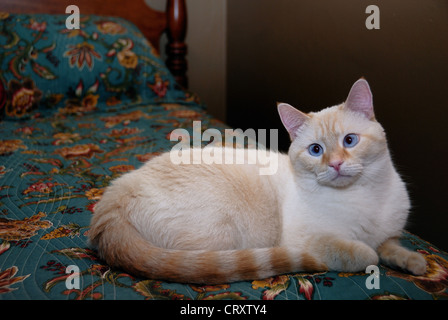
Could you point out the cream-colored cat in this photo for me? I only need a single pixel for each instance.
(335, 203)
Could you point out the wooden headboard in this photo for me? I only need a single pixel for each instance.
(151, 22)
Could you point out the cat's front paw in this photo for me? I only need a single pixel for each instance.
(393, 254)
(415, 263)
(350, 256)
(360, 257)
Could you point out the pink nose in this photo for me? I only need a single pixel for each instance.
(336, 164)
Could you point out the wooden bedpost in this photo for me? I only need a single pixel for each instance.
(176, 49)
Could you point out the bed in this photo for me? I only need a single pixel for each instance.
(80, 107)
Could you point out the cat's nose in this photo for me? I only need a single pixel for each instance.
(336, 164)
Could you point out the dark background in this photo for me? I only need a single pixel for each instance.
(308, 53)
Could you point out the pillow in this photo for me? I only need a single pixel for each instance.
(48, 68)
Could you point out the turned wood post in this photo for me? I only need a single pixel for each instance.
(176, 49)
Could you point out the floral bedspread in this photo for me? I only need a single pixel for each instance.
(80, 108)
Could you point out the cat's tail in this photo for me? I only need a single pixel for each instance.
(122, 246)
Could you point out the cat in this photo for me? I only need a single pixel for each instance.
(336, 202)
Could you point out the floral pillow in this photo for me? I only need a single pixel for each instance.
(47, 68)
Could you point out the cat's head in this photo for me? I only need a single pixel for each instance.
(338, 144)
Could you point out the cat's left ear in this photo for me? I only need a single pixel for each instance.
(360, 99)
(291, 118)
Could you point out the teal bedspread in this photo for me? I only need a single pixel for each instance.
(81, 107)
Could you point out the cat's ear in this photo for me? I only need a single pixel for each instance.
(291, 118)
(360, 99)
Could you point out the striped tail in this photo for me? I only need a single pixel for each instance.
(121, 245)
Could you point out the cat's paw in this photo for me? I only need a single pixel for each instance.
(361, 257)
(394, 255)
(415, 263)
(351, 256)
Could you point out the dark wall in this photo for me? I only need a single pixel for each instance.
(309, 52)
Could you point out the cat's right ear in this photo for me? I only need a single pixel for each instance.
(360, 99)
(291, 118)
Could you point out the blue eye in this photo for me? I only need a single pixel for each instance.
(315, 150)
(351, 140)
